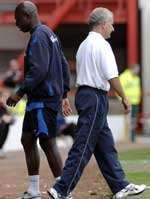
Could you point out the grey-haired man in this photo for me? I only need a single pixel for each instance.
(96, 71)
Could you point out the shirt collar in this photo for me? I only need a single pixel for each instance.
(96, 34)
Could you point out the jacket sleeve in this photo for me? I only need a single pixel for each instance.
(66, 73)
(38, 57)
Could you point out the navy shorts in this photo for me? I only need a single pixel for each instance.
(42, 122)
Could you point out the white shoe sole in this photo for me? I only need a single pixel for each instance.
(54, 195)
(143, 187)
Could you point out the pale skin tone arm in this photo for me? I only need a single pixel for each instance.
(116, 85)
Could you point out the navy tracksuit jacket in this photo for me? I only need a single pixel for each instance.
(46, 69)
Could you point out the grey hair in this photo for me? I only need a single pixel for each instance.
(99, 15)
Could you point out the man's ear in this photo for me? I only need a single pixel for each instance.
(103, 23)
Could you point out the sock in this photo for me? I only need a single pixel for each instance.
(33, 184)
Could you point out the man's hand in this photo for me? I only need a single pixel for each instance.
(126, 105)
(66, 108)
(13, 100)
(116, 85)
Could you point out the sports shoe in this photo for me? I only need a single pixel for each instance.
(55, 195)
(27, 195)
(130, 189)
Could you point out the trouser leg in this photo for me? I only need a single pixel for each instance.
(4, 129)
(107, 159)
(89, 123)
(134, 113)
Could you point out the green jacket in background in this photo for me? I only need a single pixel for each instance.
(131, 85)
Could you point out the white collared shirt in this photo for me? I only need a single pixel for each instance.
(95, 62)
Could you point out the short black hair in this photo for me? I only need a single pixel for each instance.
(27, 7)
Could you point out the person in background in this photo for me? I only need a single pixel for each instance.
(6, 119)
(96, 71)
(131, 84)
(11, 79)
(46, 84)
(13, 76)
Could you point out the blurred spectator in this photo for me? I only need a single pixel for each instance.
(6, 119)
(130, 81)
(11, 79)
(20, 60)
(14, 75)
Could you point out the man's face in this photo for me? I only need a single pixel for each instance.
(23, 21)
(108, 28)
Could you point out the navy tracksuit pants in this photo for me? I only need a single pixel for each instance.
(93, 136)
